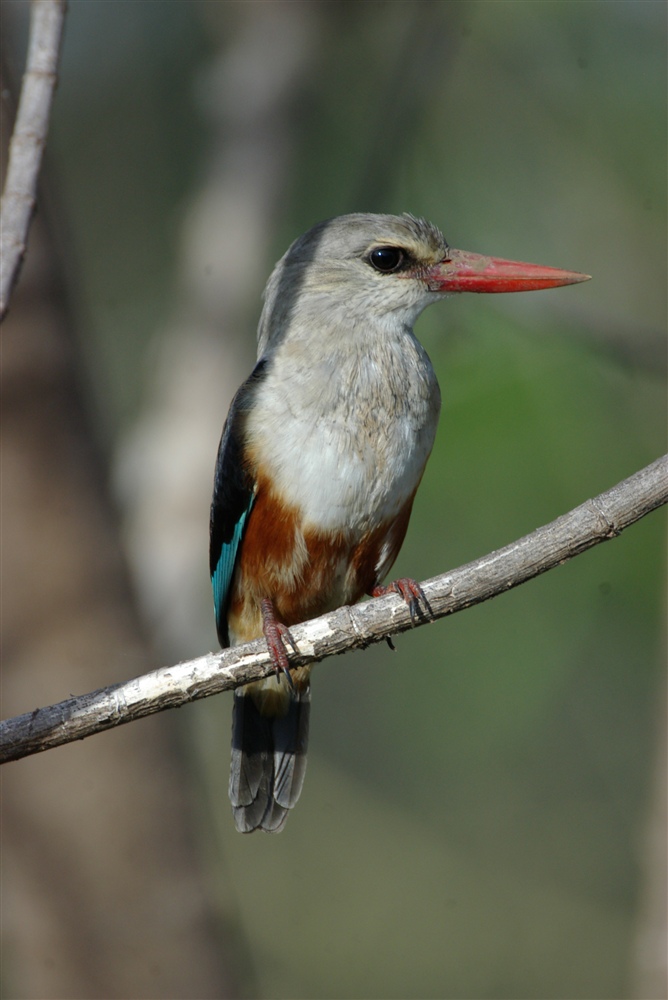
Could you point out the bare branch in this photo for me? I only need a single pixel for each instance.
(595, 521)
(28, 140)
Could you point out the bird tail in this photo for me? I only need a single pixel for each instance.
(269, 741)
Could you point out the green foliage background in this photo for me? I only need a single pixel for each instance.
(472, 822)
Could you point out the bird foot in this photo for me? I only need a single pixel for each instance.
(277, 634)
(412, 593)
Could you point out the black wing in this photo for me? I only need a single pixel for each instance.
(233, 495)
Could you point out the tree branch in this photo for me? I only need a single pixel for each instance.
(595, 521)
(28, 139)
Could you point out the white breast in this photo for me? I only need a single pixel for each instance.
(345, 437)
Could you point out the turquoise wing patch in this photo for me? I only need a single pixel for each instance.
(221, 579)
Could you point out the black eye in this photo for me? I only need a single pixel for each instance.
(387, 259)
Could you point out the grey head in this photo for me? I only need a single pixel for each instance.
(351, 269)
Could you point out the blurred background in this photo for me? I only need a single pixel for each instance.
(483, 813)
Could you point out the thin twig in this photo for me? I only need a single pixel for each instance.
(593, 522)
(28, 139)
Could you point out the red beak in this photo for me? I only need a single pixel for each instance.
(461, 271)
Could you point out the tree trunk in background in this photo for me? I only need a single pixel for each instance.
(103, 894)
(164, 468)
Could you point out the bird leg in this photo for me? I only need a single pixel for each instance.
(276, 634)
(410, 590)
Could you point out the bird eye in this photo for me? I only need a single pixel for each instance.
(387, 259)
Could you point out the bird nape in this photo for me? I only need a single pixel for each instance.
(321, 455)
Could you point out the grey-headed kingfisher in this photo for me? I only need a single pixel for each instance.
(322, 452)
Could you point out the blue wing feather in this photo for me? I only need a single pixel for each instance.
(233, 496)
(222, 575)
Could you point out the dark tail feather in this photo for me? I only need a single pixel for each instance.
(268, 761)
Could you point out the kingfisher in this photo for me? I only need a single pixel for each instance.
(322, 452)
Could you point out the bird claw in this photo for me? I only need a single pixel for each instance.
(412, 593)
(277, 634)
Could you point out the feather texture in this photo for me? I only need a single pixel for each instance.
(268, 759)
(233, 496)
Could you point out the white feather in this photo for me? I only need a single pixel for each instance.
(346, 441)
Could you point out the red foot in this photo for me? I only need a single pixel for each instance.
(411, 592)
(276, 634)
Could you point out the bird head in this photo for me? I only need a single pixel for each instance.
(357, 268)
